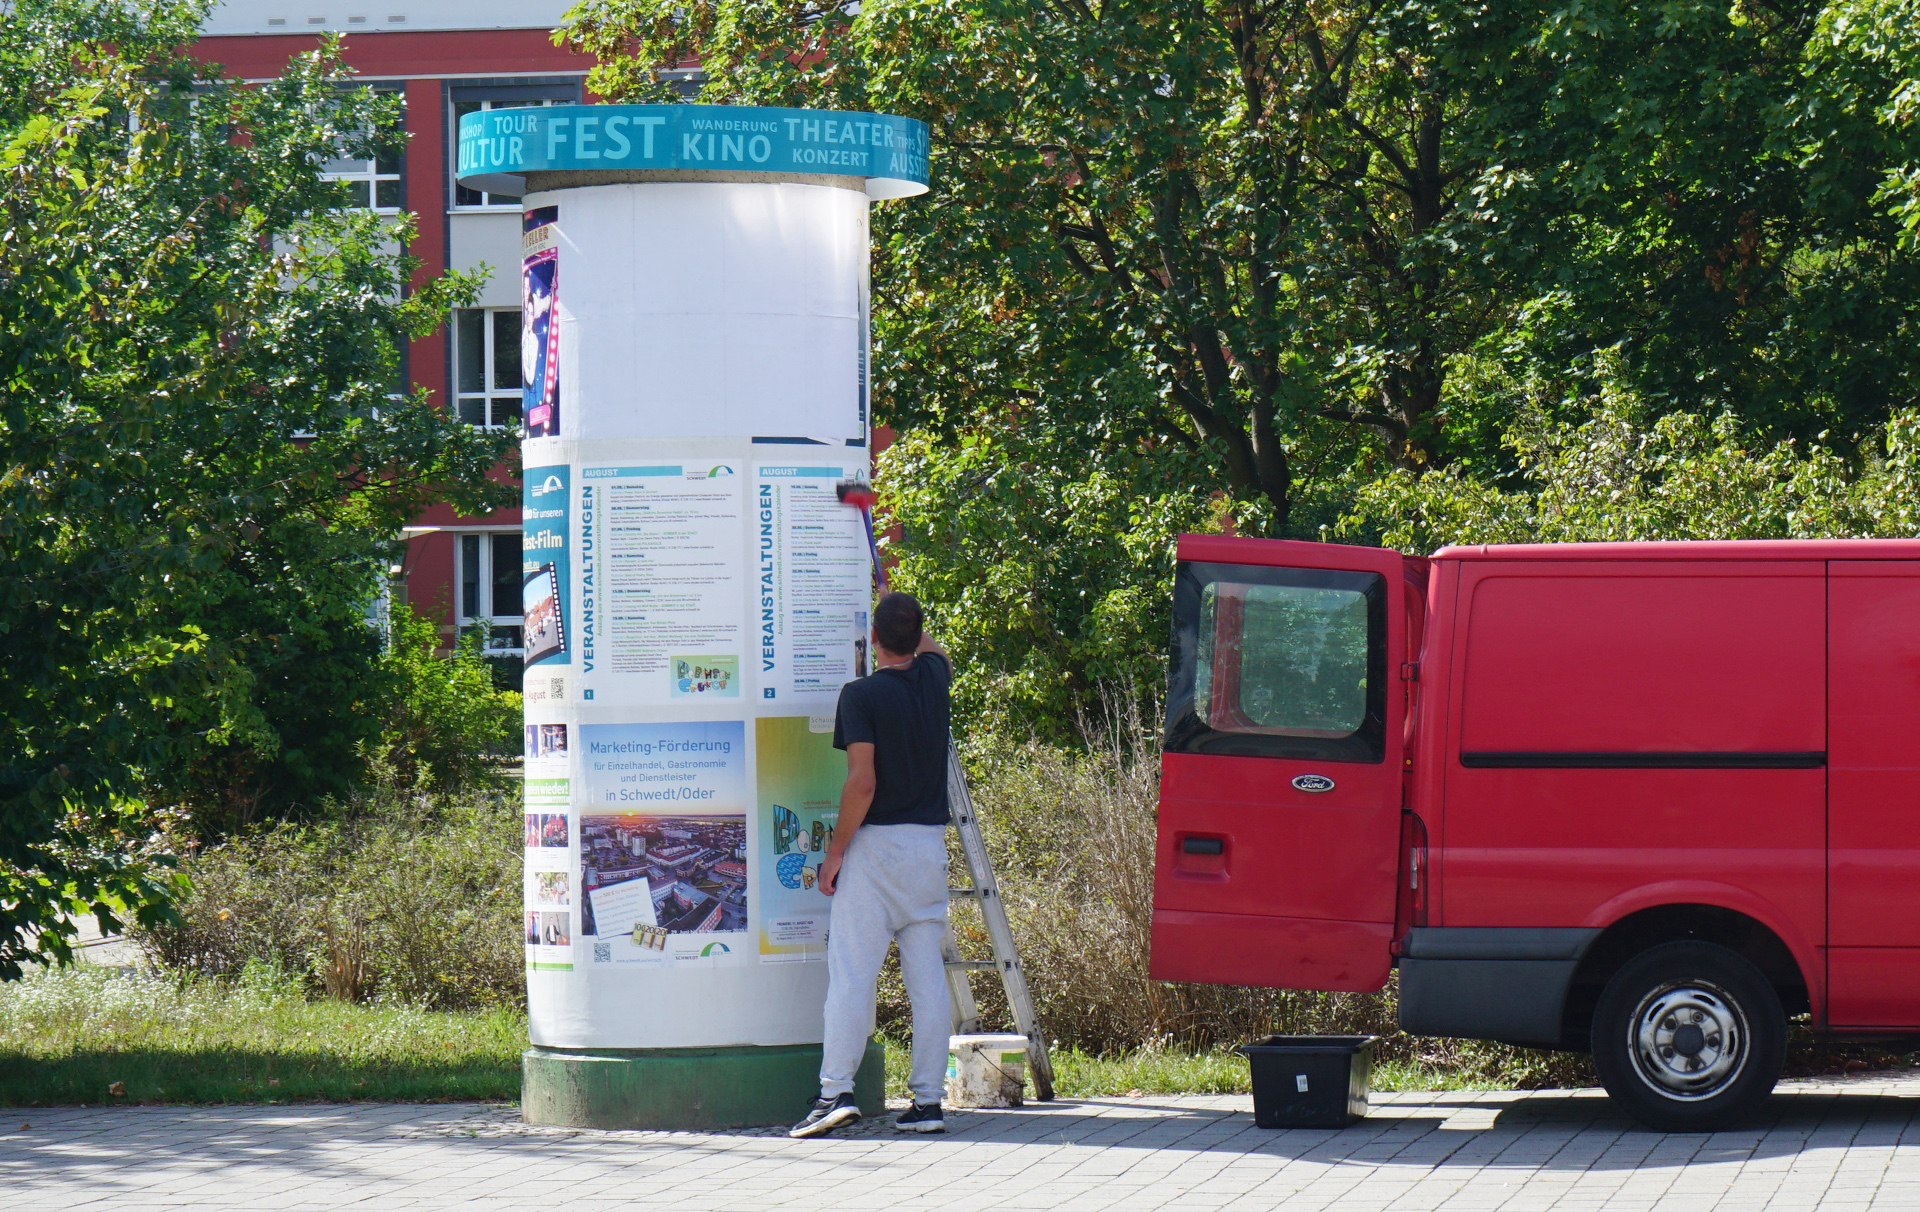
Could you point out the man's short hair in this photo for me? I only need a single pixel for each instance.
(897, 623)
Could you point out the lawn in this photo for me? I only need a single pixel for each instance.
(68, 1037)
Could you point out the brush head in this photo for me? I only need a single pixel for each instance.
(857, 493)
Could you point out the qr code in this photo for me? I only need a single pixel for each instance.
(603, 953)
(557, 687)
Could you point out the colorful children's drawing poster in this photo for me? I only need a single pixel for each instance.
(798, 777)
(701, 677)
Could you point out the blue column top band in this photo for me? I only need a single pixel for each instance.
(497, 147)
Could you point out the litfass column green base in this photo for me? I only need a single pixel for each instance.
(684, 1088)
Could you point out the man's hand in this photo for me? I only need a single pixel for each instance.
(830, 871)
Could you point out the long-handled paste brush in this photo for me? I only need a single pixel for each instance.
(860, 495)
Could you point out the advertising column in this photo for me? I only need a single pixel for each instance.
(694, 353)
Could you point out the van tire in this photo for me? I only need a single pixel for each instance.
(1689, 1037)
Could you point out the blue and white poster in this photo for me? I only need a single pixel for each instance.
(663, 843)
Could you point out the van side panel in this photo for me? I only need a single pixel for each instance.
(1874, 799)
(1277, 844)
(1612, 658)
(1435, 728)
(1629, 733)
(1274, 952)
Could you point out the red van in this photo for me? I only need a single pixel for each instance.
(1648, 800)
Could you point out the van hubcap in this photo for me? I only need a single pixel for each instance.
(1689, 1040)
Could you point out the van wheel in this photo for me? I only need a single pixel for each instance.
(1689, 1037)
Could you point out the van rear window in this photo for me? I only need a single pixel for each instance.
(1277, 662)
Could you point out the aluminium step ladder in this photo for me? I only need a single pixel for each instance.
(985, 892)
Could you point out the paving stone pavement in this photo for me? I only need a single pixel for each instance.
(1835, 1145)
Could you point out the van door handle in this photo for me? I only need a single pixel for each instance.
(1203, 845)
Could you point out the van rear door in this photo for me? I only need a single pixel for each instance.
(1280, 789)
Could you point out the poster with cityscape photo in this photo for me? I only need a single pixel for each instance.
(663, 889)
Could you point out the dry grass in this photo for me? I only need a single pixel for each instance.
(414, 898)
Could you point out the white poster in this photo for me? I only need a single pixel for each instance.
(547, 904)
(624, 907)
(815, 577)
(662, 583)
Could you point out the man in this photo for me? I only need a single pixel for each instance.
(886, 868)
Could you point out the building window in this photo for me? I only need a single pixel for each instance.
(377, 184)
(371, 184)
(487, 365)
(490, 577)
(464, 198)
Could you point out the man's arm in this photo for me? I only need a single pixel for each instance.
(856, 796)
(929, 644)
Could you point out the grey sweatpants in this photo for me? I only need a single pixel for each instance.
(892, 888)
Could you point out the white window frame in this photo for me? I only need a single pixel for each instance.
(375, 172)
(488, 396)
(489, 201)
(474, 549)
(370, 173)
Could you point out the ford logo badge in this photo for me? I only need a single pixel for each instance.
(1312, 782)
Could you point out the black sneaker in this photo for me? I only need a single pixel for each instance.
(921, 1117)
(827, 1114)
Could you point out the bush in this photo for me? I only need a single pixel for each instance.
(1624, 475)
(413, 898)
(404, 717)
(450, 725)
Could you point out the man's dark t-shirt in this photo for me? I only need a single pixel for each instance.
(903, 713)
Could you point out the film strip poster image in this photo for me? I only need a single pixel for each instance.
(540, 604)
(539, 324)
(544, 567)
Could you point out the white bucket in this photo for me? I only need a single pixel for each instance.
(986, 1070)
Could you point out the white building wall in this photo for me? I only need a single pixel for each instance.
(351, 16)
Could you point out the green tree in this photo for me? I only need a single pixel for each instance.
(1279, 251)
(1045, 571)
(1709, 190)
(1627, 473)
(1180, 258)
(1225, 227)
(204, 451)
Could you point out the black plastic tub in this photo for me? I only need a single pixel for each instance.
(1310, 1081)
